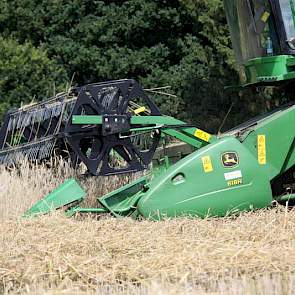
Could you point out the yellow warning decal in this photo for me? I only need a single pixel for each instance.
(265, 16)
(202, 135)
(139, 110)
(207, 164)
(261, 149)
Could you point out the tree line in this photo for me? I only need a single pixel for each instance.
(184, 44)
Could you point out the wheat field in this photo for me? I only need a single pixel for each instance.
(249, 254)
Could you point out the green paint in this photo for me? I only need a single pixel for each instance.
(269, 69)
(280, 153)
(68, 192)
(123, 201)
(159, 120)
(202, 194)
(86, 120)
(184, 137)
(185, 134)
(286, 198)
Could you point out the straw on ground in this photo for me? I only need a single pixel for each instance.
(249, 254)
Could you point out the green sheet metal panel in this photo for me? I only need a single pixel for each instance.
(269, 69)
(123, 200)
(68, 192)
(279, 136)
(200, 184)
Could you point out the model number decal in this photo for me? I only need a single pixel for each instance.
(234, 182)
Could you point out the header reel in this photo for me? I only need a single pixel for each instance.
(112, 146)
(35, 132)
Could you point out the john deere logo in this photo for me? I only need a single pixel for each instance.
(229, 159)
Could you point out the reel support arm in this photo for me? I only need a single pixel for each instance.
(168, 125)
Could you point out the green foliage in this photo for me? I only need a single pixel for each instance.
(181, 43)
(26, 73)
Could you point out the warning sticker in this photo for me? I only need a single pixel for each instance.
(207, 164)
(265, 16)
(202, 135)
(261, 149)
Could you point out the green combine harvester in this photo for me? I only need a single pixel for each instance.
(243, 169)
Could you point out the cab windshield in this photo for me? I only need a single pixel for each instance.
(288, 16)
(251, 27)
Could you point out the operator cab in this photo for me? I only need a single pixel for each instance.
(263, 30)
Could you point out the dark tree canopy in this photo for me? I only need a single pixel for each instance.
(184, 44)
(26, 73)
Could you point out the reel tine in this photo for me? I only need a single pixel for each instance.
(122, 152)
(32, 123)
(34, 151)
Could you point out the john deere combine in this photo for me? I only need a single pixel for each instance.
(243, 169)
